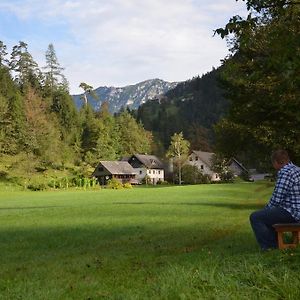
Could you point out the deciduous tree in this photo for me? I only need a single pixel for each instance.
(261, 78)
(178, 150)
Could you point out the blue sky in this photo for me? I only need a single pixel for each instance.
(121, 42)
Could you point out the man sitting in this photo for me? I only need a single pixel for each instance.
(284, 205)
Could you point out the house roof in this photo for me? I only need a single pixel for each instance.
(117, 167)
(149, 161)
(206, 157)
(233, 160)
(124, 158)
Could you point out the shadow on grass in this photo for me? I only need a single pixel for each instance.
(28, 207)
(247, 206)
(121, 243)
(251, 206)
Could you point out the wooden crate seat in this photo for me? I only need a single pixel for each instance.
(294, 228)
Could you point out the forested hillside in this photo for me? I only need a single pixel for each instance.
(193, 107)
(42, 129)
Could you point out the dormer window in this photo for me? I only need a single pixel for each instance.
(152, 161)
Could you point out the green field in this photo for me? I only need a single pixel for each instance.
(189, 242)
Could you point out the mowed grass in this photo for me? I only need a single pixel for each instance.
(189, 242)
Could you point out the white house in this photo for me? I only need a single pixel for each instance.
(147, 165)
(203, 161)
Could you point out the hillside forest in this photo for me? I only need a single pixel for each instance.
(40, 126)
(246, 108)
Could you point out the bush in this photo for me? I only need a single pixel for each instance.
(37, 186)
(146, 180)
(227, 176)
(245, 175)
(192, 175)
(127, 185)
(161, 182)
(114, 184)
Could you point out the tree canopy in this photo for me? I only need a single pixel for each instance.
(38, 116)
(261, 78)
(178, 151)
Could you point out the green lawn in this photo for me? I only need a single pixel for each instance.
(189, 242)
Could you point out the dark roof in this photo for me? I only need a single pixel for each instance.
(233, 160)
(206, 157)
(149, 161)
(116, 167)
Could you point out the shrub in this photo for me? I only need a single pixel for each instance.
(127, 185)
(192, 175)
(245, 175)
(114, 184)
(227, 176)
(37, 186)
(146, 180)
(161, 182)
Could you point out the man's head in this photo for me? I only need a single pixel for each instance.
(279, 159)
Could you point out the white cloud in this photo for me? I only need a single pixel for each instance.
(120, 42)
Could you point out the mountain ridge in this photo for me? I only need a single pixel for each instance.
(131, 96)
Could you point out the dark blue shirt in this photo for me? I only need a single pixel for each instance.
(287, 190)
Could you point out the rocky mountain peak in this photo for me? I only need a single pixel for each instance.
(131, 96)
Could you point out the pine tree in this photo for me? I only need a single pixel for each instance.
(133, 137)
(88, 90)
(53, 69)
(25, 68)
(12, 119)
(3, 53)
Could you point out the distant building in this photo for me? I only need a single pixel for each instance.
(147, 165)
(203, 161)
(120, 170)
(236, 167)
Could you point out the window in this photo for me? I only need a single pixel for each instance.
(141, 172)
(202, 167)
(158, 172)
(191, 159)
(100, 169)
(196, 158)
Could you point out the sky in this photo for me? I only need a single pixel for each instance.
(121, 42)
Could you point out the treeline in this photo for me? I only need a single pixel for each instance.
(261, 76)
(38, 116)
(192, 107)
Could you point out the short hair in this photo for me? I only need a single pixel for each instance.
(280, 156)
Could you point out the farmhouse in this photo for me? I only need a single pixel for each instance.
(203, 160)
(120, 170)
(147, 165)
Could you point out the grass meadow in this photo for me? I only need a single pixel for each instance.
(188, 242)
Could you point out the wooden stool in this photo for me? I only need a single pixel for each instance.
(294, 228)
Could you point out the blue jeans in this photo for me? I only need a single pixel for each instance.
(262, 221)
